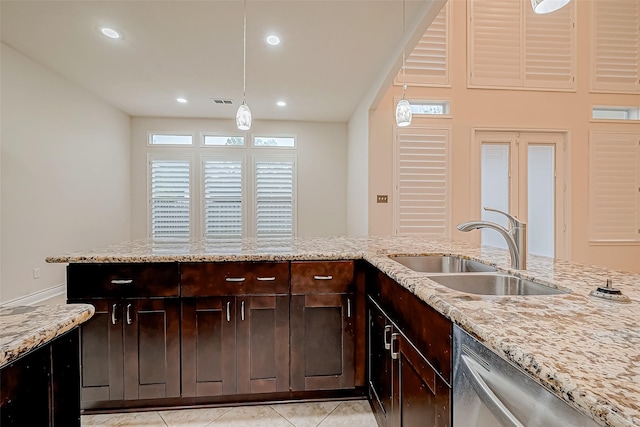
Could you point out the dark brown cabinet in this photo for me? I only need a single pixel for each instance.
(407, 358)
(322, 325)
(130, 348)
(235, 330)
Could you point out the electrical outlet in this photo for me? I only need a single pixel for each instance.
(383, 198)
(36, 273)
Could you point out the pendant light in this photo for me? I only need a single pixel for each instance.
(547, 6)
(403, 108)
(243, 116)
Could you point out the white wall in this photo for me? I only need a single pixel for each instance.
(65, 174)
(321, 165)
(358, 175)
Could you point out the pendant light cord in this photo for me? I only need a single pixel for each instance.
(244, 53)
(404, 80)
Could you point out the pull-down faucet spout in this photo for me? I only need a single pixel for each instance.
(516, 236)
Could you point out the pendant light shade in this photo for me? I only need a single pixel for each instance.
(547, 6)
(403, 113)
(243, 117)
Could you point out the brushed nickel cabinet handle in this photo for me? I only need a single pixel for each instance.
(114, 319)
(387, 331)
(394, 354)
(266, 279)
(121, 281)
(234, 279)
(323, 277)
(348, 307)
(228, 311)
(242, 310)
(129, 320)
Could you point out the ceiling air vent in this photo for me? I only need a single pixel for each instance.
(222, 101)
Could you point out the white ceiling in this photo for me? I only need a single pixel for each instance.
(332, 52)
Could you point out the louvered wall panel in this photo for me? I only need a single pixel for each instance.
(170, 194)
(223, 210)
(428, 62)
(616, 46)
(495, 40)
(614, 183)
(548, 46)
(274, 191)
(422, 184)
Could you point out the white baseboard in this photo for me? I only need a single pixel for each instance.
(37, 297)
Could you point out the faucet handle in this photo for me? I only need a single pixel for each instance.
(513, 221)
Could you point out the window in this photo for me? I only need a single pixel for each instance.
(615, 65)
(512, 47)
(170, 198)
(430, 108)
(170, 139)
(614, 187)
(244, 190)
(422, 184)
(616, 113)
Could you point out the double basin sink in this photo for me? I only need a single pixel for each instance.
(473, 277)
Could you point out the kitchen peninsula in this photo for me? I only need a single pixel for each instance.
(585, 350)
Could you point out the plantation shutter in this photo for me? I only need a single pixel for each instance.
(428, 63)
(614, 184)
(616, 46)
(422, 184)
(512, 47)
(274, 202)
(223, 201)
(549, 46)
(170, 207)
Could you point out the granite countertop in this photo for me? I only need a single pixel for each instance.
(23, 328)
(584, 349)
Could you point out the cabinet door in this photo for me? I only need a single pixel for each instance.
(151, 348)
(421, 397)
(101, 353)
(322, 342)
(262, 324)
(208, 346)
(380, 330)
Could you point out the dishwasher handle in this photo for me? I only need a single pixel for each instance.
(488, 397)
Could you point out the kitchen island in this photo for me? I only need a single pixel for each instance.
(585, 350)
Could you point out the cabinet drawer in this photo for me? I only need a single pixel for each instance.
(123, 280)
(321, 276)
(234, 278)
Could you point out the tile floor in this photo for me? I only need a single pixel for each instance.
(353, 413)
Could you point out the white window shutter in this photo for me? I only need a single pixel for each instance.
(223, 210)
(422, 197)
(495, 43)
(616, 46)
(274, 197)
(428, 63)
(170, 191)
(549, 46)
(614, 184)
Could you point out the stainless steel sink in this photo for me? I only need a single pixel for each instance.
(494, 284)
(442, 264)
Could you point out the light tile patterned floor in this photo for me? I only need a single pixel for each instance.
(353, 413)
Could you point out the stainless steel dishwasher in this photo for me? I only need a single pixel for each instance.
(488, 391)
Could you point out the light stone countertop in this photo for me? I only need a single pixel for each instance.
(23, 328)
(586, 350)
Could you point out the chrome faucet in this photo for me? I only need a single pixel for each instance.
(516, 236)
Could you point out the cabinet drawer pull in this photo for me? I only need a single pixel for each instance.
(234, 279)
(348, 307)
(121, 281)
(114, 319)
(322, 277)
(242, 310)
(394, 353)
(228, 311)
(387, 331)
(267, 279)
(129, 320)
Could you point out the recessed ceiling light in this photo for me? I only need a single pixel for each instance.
(281, 103)
(181, 100)
(273, 40)
(110, 32)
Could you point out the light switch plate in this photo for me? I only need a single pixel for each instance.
(383, 198)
